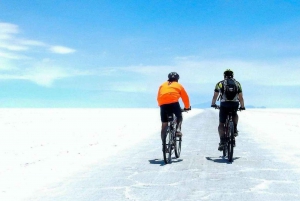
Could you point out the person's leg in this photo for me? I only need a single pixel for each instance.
(235, 119)
(178, 127)
(178, 114)
(235, 123)
(221, 128)
(164, 120)
(164, 126)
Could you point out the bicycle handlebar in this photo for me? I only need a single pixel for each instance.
(217, 107)
(186, 109)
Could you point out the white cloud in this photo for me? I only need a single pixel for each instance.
(61, 50)
(7, 37)
(40, 76)
(45, 76)
(6, 65)
(31, 42)
(12, 56)
(205, 73)
(13, 48)
(10, 41)
(42, 73)
(8, 28)
(280, 73)
(127, 87)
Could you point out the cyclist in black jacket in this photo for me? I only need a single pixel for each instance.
(229, 102)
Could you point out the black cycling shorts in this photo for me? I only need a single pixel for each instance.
(170, 109)
(225, 108)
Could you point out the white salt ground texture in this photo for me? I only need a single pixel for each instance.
(43, 146)
(277, 130)
(115, 154)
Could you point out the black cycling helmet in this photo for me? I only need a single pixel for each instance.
(173, 76)
(228, 73)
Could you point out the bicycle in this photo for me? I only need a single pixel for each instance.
(171, 142)
(229, 136)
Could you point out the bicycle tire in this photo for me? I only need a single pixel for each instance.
(225, 148)
(176, 141)
(171, 149)
(167, 147)
(178, 146)
(230, 143)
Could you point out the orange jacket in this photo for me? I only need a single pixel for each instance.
(170, 92)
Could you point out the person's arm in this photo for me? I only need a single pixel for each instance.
(214, 99)
(158, 94)
(241, 99)
(240, 94)
(216, 94)
(185, 98)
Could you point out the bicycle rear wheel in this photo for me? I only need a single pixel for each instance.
(178, 146)
(230, 142)
(167, 147)
(225, 150)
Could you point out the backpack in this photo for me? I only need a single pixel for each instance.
(230, 89)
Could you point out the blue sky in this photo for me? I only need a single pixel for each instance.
(116, 53)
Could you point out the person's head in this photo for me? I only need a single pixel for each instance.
(173, 76)
(228, 73)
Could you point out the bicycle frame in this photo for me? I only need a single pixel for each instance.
(228, 120)
(229, 136)
(172, 143)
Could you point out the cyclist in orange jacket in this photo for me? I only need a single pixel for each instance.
(168, 95)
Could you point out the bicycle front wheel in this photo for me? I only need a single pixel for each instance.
(231, 142)
(167, 147)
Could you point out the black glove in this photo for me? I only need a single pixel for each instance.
(242, 108)
(213, 105)
(186, 109)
